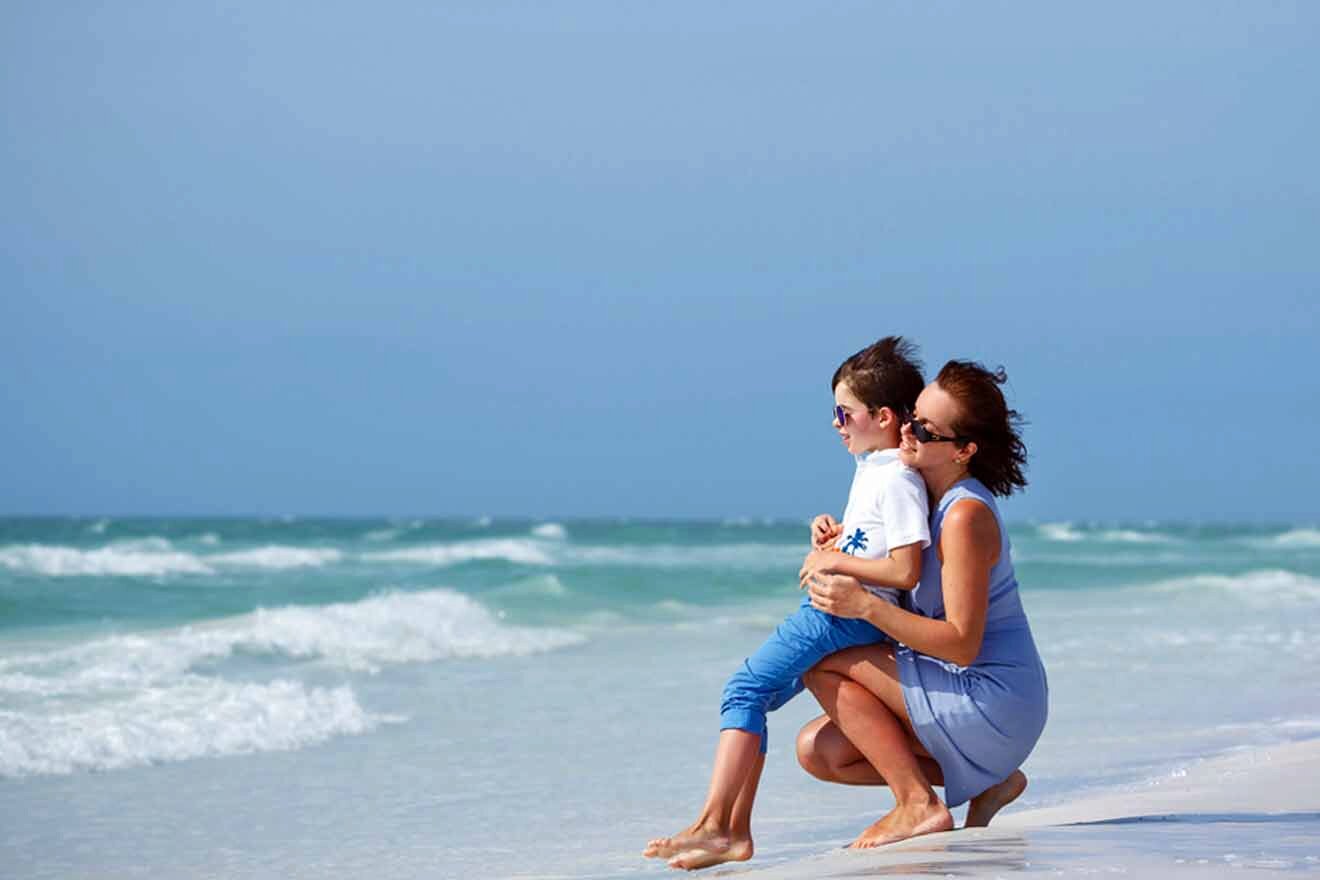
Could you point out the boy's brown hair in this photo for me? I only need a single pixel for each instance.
(886, 373)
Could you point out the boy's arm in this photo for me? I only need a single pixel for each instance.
(901, 569)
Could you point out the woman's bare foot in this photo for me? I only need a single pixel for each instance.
(698, 838)
(995, 798)
(739, 850)
(904, 821)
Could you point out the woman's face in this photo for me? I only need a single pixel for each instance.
(937, 411)
(860, 429)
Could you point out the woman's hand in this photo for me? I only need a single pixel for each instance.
(817, 564)
(840, 595)
(825, 530)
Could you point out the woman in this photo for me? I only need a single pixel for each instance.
(962, 698)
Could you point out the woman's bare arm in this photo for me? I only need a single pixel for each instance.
(969, 548)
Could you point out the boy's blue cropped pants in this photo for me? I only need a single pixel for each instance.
(773, 675)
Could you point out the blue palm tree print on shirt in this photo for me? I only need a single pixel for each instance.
(856, 543)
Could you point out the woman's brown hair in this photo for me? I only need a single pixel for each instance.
(985, 419)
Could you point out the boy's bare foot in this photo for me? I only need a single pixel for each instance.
(713, 854)
(995, 798)
(695, 837)
(666, 847)
(906, 821)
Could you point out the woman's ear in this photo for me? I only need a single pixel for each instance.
(966, 452)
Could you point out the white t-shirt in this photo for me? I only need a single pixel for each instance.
(887, 507)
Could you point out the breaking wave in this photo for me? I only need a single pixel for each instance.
(382, 630)
(1059, 532)
(1265, 586)
(154, 557)
(193, 718)
(548, 546)
(1294, 538)
(1067, 532)
(522, 551)
(163, 696)
(138, 558)
(276, 557)
(552, 530)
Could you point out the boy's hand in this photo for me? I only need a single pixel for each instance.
(817, 563)
(824, 531)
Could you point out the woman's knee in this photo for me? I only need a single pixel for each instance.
(845, 662)
(810, 755)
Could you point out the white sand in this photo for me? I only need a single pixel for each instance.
(1281, 779)
(1244, 814)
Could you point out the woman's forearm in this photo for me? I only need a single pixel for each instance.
(938, 638)
(949, 639)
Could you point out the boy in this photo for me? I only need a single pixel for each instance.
(884, 530)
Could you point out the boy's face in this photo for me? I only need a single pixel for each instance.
(860, 429)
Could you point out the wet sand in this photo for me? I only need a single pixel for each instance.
(1256, 812)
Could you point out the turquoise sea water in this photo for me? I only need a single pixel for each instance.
(245, 697)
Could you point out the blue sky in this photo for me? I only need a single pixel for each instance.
(602, 258)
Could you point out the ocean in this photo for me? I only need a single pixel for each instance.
(326, 698)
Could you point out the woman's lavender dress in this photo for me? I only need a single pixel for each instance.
(978, 722)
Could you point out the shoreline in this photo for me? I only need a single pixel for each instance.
(1253, 809)
(1276, 779)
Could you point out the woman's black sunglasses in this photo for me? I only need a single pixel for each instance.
(926, 436)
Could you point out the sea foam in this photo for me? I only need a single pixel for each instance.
(150, 558)
(155, 557)
(1131, 536)
(192, 718)
(1069, 533)
(1059, 532)
(277, 557)
(552, 530)
(1293, 538)
(390, 628)
(146, 697)
(1261, 587)
(523, 551)
(395, 628)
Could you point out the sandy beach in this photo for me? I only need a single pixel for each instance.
(1257, 810)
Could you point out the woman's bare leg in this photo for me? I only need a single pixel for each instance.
(723, 830)
(827, 754)
(984, 806)
(860, 691)
(824, 752)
